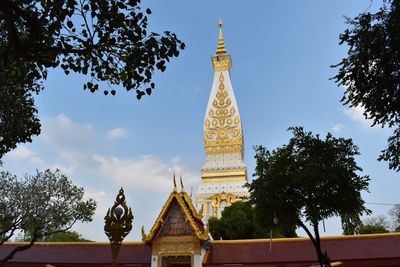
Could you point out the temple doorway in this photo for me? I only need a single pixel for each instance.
(176, 261)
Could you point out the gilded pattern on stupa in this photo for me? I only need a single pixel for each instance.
(222, 132)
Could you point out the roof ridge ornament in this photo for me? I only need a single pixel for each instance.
(174, 184)
(182, 188)
(118, 224)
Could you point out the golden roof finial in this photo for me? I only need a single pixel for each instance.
(221, 46)
(182, 188)
(143, 233)
(174, 183)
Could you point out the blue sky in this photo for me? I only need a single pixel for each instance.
(281, 52)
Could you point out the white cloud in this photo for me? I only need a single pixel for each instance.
(37, 161)
(21, 152)
(146, 173)
(76, 149)
(116, 133)
(75, 144)
(71, 141)
(338, 127)
(61, 133)
(356, 114)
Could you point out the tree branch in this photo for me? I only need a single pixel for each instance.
(21, 248)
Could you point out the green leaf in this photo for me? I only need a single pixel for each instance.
(70, 24)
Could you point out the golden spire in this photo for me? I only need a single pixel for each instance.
(174, 183)
(182, 188)
(221, 45)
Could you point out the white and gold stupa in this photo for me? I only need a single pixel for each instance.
(224, 173)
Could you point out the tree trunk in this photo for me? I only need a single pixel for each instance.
(316, 241)
(318, 244)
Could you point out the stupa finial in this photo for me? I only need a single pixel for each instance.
(221, 50)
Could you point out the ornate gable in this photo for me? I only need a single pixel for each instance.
(178, 217)
(175, 223)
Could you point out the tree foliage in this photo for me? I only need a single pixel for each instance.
(351, 224)
(18, 116)
(67, 236)
(106, 40)
(237, 222)
(215, 227)
(371, 71)
(395, 214)
(40, 205)
(366, 229)
(308, 180)
(375, 225)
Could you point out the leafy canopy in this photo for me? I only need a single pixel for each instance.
(309, 179)
(375, 225)
(238, 221)
(371, 71)
(18, 116)
(105, 40)
(40, 205)
(395, 214)
(67, 236)
(372, 229)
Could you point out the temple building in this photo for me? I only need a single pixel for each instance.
(179, 236)
(224, 173)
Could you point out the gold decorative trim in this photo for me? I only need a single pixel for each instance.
(200, 235)
(217, 198)
(196, 214)
(176, 245)
(223, 180)
(222, 132)
(222, 63)
(236, 172)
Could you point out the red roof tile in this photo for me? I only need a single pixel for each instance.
(348, 248)
(367, 250)
(80, 253)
